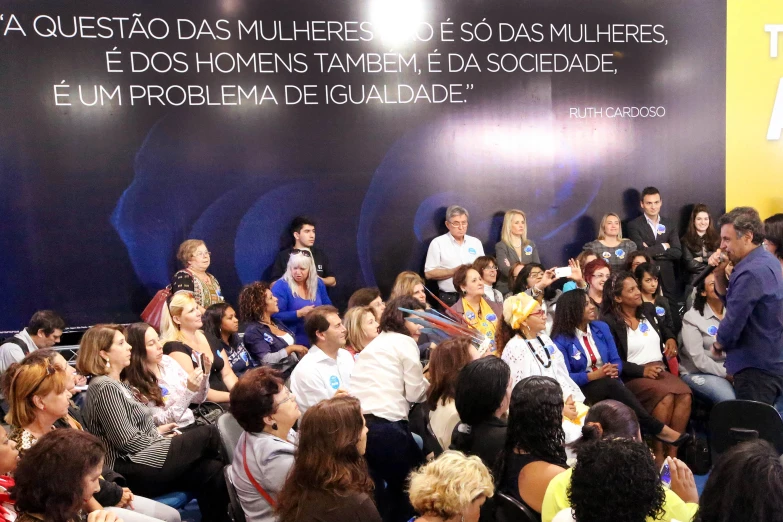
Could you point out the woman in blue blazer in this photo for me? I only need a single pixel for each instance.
(591, 356)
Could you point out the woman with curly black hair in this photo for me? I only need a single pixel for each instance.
(534, 452)
(613, 420)
(629, 490)
(745, 484)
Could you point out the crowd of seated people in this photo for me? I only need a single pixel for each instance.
(559, 380)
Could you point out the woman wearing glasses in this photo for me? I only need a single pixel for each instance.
(297, 292)
(267, 412)
(194, 278)
(596, 273)
(528, 350)
(514, 246)
(488, 268)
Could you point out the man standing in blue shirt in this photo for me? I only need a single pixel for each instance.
(751, 332)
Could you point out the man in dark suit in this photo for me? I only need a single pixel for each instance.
(658, 237)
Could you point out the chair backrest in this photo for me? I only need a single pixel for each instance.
(230, 431)
(235, 511)
(509, 509)
(735, 421)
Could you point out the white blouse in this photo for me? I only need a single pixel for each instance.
(173, 383)
(539, 356)
(644, 344)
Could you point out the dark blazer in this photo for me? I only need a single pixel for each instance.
(640, 233)
(620, 334)
(506, 257)
(576, 357)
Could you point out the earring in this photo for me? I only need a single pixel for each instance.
(108, 364)
(274, 426)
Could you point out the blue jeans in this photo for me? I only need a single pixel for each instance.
(710, 387)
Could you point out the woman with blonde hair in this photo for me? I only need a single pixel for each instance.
(361, 327)
(299, 291)
(194, 278)
(409, 284)
(451, 487)
(184, 342)
(152, 464)
(610, 245)
(513, 247)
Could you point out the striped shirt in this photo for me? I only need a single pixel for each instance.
(112, 413)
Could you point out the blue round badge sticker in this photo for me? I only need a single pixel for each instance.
(659, 311)
(606, 255)
(472, 251)
(661, 228)
(712, 330)
(470, 316)
(243, 355)
(492, 317)
(620, 253)
(644, 328)
(268, 338)
(551, 349)
(164, 391)
(528, 250)
(334, 382)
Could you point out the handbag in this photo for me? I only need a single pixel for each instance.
(153, 312)
(207, 413)
(253, 481)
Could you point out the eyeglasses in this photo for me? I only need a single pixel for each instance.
(600, 276)
(50, 370)
(458, 224)
(540, 313)
(305, 253)
(536, 274)
(491, 268)
(288, 398)
(202, 255)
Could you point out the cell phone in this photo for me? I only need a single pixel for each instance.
(201, 362)
(666, 475)
(564, 271)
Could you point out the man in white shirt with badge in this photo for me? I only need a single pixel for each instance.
(327, 366)
(448, 252)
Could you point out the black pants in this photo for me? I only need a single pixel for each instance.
(448, 297)
(192, 464)
(608, 388)
(752, 384)
(391, 455)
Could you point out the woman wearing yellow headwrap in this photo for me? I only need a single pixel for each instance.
(528, 350)
(481, 314)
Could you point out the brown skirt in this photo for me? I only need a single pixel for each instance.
(651, 391)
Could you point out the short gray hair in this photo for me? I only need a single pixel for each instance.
(456, 210)
(744, 219)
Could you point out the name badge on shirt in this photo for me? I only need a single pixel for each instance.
(712, 330)
(644, 328)
(528, 250)
(577, 355)
(492, 317)
(334, 382)
(660, 311)
(164, 391)
(470, 316)
(551, 349)
(472, 251)
(620, 253)
(661, 228)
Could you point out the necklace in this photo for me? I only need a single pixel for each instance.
(548, 362)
